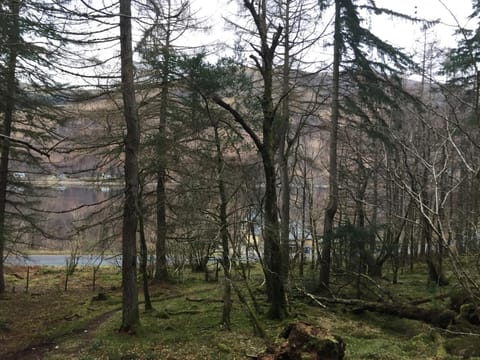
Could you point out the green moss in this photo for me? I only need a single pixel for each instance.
(463, 346)
(399, 327)
(162, 315)
(422, 343)
(224, 348)
(373, 349)
(183, 329)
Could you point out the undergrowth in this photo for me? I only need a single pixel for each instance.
(186, 321)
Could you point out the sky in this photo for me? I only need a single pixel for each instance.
(397, 32)
(400, 33)
(405, 34)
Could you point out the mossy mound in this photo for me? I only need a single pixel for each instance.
(465, 347)
(306, 341)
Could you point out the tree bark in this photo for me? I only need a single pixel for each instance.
(273, 271)
(130, 313)
(436, 317)
(332, 205)
(227, 291)
(284, 151)
(267, 147)
(161, 270)
(144, 256)
(13, 40)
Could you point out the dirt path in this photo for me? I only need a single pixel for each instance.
(85, 332)
(37, 350)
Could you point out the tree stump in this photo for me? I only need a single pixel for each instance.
(306, 342)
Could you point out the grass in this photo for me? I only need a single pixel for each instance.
(186, 322)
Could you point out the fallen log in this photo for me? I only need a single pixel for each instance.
(428, 299)
(438, 318)
(203, 300)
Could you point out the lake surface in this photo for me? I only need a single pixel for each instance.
(63, 212)
(60, 260)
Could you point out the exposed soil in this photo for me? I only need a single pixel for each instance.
(75, 310)
(37, 350)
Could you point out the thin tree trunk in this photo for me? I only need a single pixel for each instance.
(313, 226)
(273, 258)
(283, 152)
(161, 270)
(130, 313)
(332, 205)
(227, 291)
(304, 218)
(372, 242)
(144, 256)
(13, 40)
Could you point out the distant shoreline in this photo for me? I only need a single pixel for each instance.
(75, 182)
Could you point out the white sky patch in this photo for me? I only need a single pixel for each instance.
(405, 34)
(401, 33)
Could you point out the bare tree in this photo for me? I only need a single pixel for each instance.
(267, 146)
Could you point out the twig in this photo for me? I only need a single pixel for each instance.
(26, 144)
(454, 332)
(311, 297)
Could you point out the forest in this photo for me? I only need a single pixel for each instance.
(297, 188)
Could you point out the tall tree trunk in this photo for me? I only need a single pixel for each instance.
(13, 40)
(273, 258)
(273, 251)
(372, 242)
(304, 217)
(273, 271)
(161, 270)
(130, 313)
(284, 151)
(332, 205)
(227, 292)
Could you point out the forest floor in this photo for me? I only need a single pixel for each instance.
(48, 322)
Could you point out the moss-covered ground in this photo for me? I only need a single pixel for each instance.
(49, 323)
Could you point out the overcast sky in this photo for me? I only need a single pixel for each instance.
(400, 33)
(405, 34)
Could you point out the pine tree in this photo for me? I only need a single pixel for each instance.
(462, 65)
(372, 69)
(30, 50)
(168, 22)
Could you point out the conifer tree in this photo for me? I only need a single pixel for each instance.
(372, 69)
(462, 65)
(30, 51)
